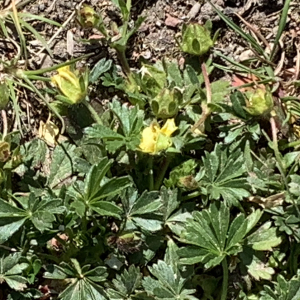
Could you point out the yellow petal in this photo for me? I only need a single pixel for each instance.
(149, 138)
(48, 132)
(65, 69)
(169, 127)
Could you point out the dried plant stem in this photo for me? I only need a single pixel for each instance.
(4, 120)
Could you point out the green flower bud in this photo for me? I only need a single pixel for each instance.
(166, 103)
(88, 18)
(196, 39)
(188, 183)
(259, 102)
(183, 176)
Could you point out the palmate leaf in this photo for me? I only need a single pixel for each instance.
(11, 272)
(84, 281)
(256, 264)
(168, 283)
(223, 175)
(40, 211)
(125, 284)
(129, 131)
(142, 211)
(284, 289)
(213, 237)
(62, 164)
(96, 189)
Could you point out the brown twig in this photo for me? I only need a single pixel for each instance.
(256, 32)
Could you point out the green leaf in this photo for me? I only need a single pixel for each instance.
(112, 187)
(284, 289)
(83, 281)
(125, 284)
(102, 66)
(10, 270)
(131, 118)
(40, 211)
(223, 175)
(104, 208)
(62, 164)
(168, 285)
(143, 210)
(211, 236)
(94, 178)
(264, 238)
(11, 226)
(128, 134)
(112, 139)
(256, 265)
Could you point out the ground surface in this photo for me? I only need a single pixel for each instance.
(155, 38)
(153, 41)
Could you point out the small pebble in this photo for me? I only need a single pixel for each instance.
(42, 7)
(171, 21)
(194, 10)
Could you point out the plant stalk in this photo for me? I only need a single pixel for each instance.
(151, 181)
(124, 62)
(225, 279)
(161, 175)
(93, 112)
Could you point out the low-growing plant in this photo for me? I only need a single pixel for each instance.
(179, 189)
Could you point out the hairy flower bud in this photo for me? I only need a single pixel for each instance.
(196, 39)
(166, 103)
(259, 102)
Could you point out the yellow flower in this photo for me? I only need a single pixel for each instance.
(71, 84)
(156, 139)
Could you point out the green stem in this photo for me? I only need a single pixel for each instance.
(291, 144)
(161, 175)
(151, 181)
(124, 62)
(42, 71)
(225, 279)
(8, 186)
(191, 195)
(93, 112)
